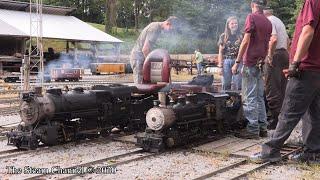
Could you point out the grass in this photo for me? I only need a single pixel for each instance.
(128, 36)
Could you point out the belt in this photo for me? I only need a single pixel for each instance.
(229, 57)
(281, 49)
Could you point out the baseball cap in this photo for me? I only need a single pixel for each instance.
(260, 2)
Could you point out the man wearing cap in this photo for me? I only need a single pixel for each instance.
(302, 96)
(253, 51)
(277, 61)
(145, 43)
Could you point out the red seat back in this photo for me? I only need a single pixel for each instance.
(156, 67)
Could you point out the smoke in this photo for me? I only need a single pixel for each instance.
(202, 22)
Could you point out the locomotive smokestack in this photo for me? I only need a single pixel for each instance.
(38, 91)
(162, 98)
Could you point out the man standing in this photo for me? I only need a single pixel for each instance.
(199, 61)
(145, 43)
(302, 97)
(253, 50)
(277, 61)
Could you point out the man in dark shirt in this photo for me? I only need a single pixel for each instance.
(302, 97)
(145, 43)
(253, 50)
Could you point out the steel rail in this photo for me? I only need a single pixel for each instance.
(234, 171)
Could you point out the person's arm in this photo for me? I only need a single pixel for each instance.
(243, 47)
(220, 56)
(272, 47)
(146, 48)
(304, 42)
(303, 45)
(288, 44)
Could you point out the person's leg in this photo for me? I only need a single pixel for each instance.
(198, 68)
(299, 95)
(261, 104)
(311, 126)
(226, 74)
(273, 78)
(250, 98)
(136, 61)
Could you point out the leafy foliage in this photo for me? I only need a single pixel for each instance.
(203, 20)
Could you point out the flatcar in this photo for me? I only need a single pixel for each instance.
(63, 74)
(110, 68)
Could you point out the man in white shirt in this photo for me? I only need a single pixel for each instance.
(277, 60)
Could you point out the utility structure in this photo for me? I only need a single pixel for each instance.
(35, 51)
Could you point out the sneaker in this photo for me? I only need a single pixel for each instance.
(247, 135)
(258, 158)
(306, 157)
(263, 133)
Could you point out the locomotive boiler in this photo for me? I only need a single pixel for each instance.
(189, 116)
(58, 116)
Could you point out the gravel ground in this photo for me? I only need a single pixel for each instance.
(63, 156)
(171, 165)
(9, 119)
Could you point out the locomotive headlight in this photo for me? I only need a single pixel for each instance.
(160, 118)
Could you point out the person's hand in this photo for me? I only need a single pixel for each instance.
(234, 68)
(285, 72)
(270, 60)
(294, 70)
(220, 71)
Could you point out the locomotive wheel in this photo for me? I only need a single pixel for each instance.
(105, 133)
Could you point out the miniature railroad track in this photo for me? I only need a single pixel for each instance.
(7, 111)
(9, 100)
(124, 158)
(16, 152)
(243, 167)
(84, 84)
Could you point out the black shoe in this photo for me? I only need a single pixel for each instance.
(247, 135)
(306, 157)
(263, 133)
(272, 123)
(258, 158)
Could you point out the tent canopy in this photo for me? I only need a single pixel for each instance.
(17, 23)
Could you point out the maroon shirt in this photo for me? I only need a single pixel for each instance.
(260, 28)
(309, 15)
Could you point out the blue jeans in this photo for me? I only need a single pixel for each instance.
(199, 68)
(253, 101)
(228, 77)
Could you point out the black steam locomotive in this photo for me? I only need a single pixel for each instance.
(190, 116)
(58, 117)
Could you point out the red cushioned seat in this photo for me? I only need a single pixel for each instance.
(156, 71)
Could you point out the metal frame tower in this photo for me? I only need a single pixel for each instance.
(35, 54)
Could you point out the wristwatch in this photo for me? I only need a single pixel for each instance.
(238, 62)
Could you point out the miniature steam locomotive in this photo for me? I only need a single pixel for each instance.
(58, 117)
(188, 117)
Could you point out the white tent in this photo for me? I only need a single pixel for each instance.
(17, 23)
